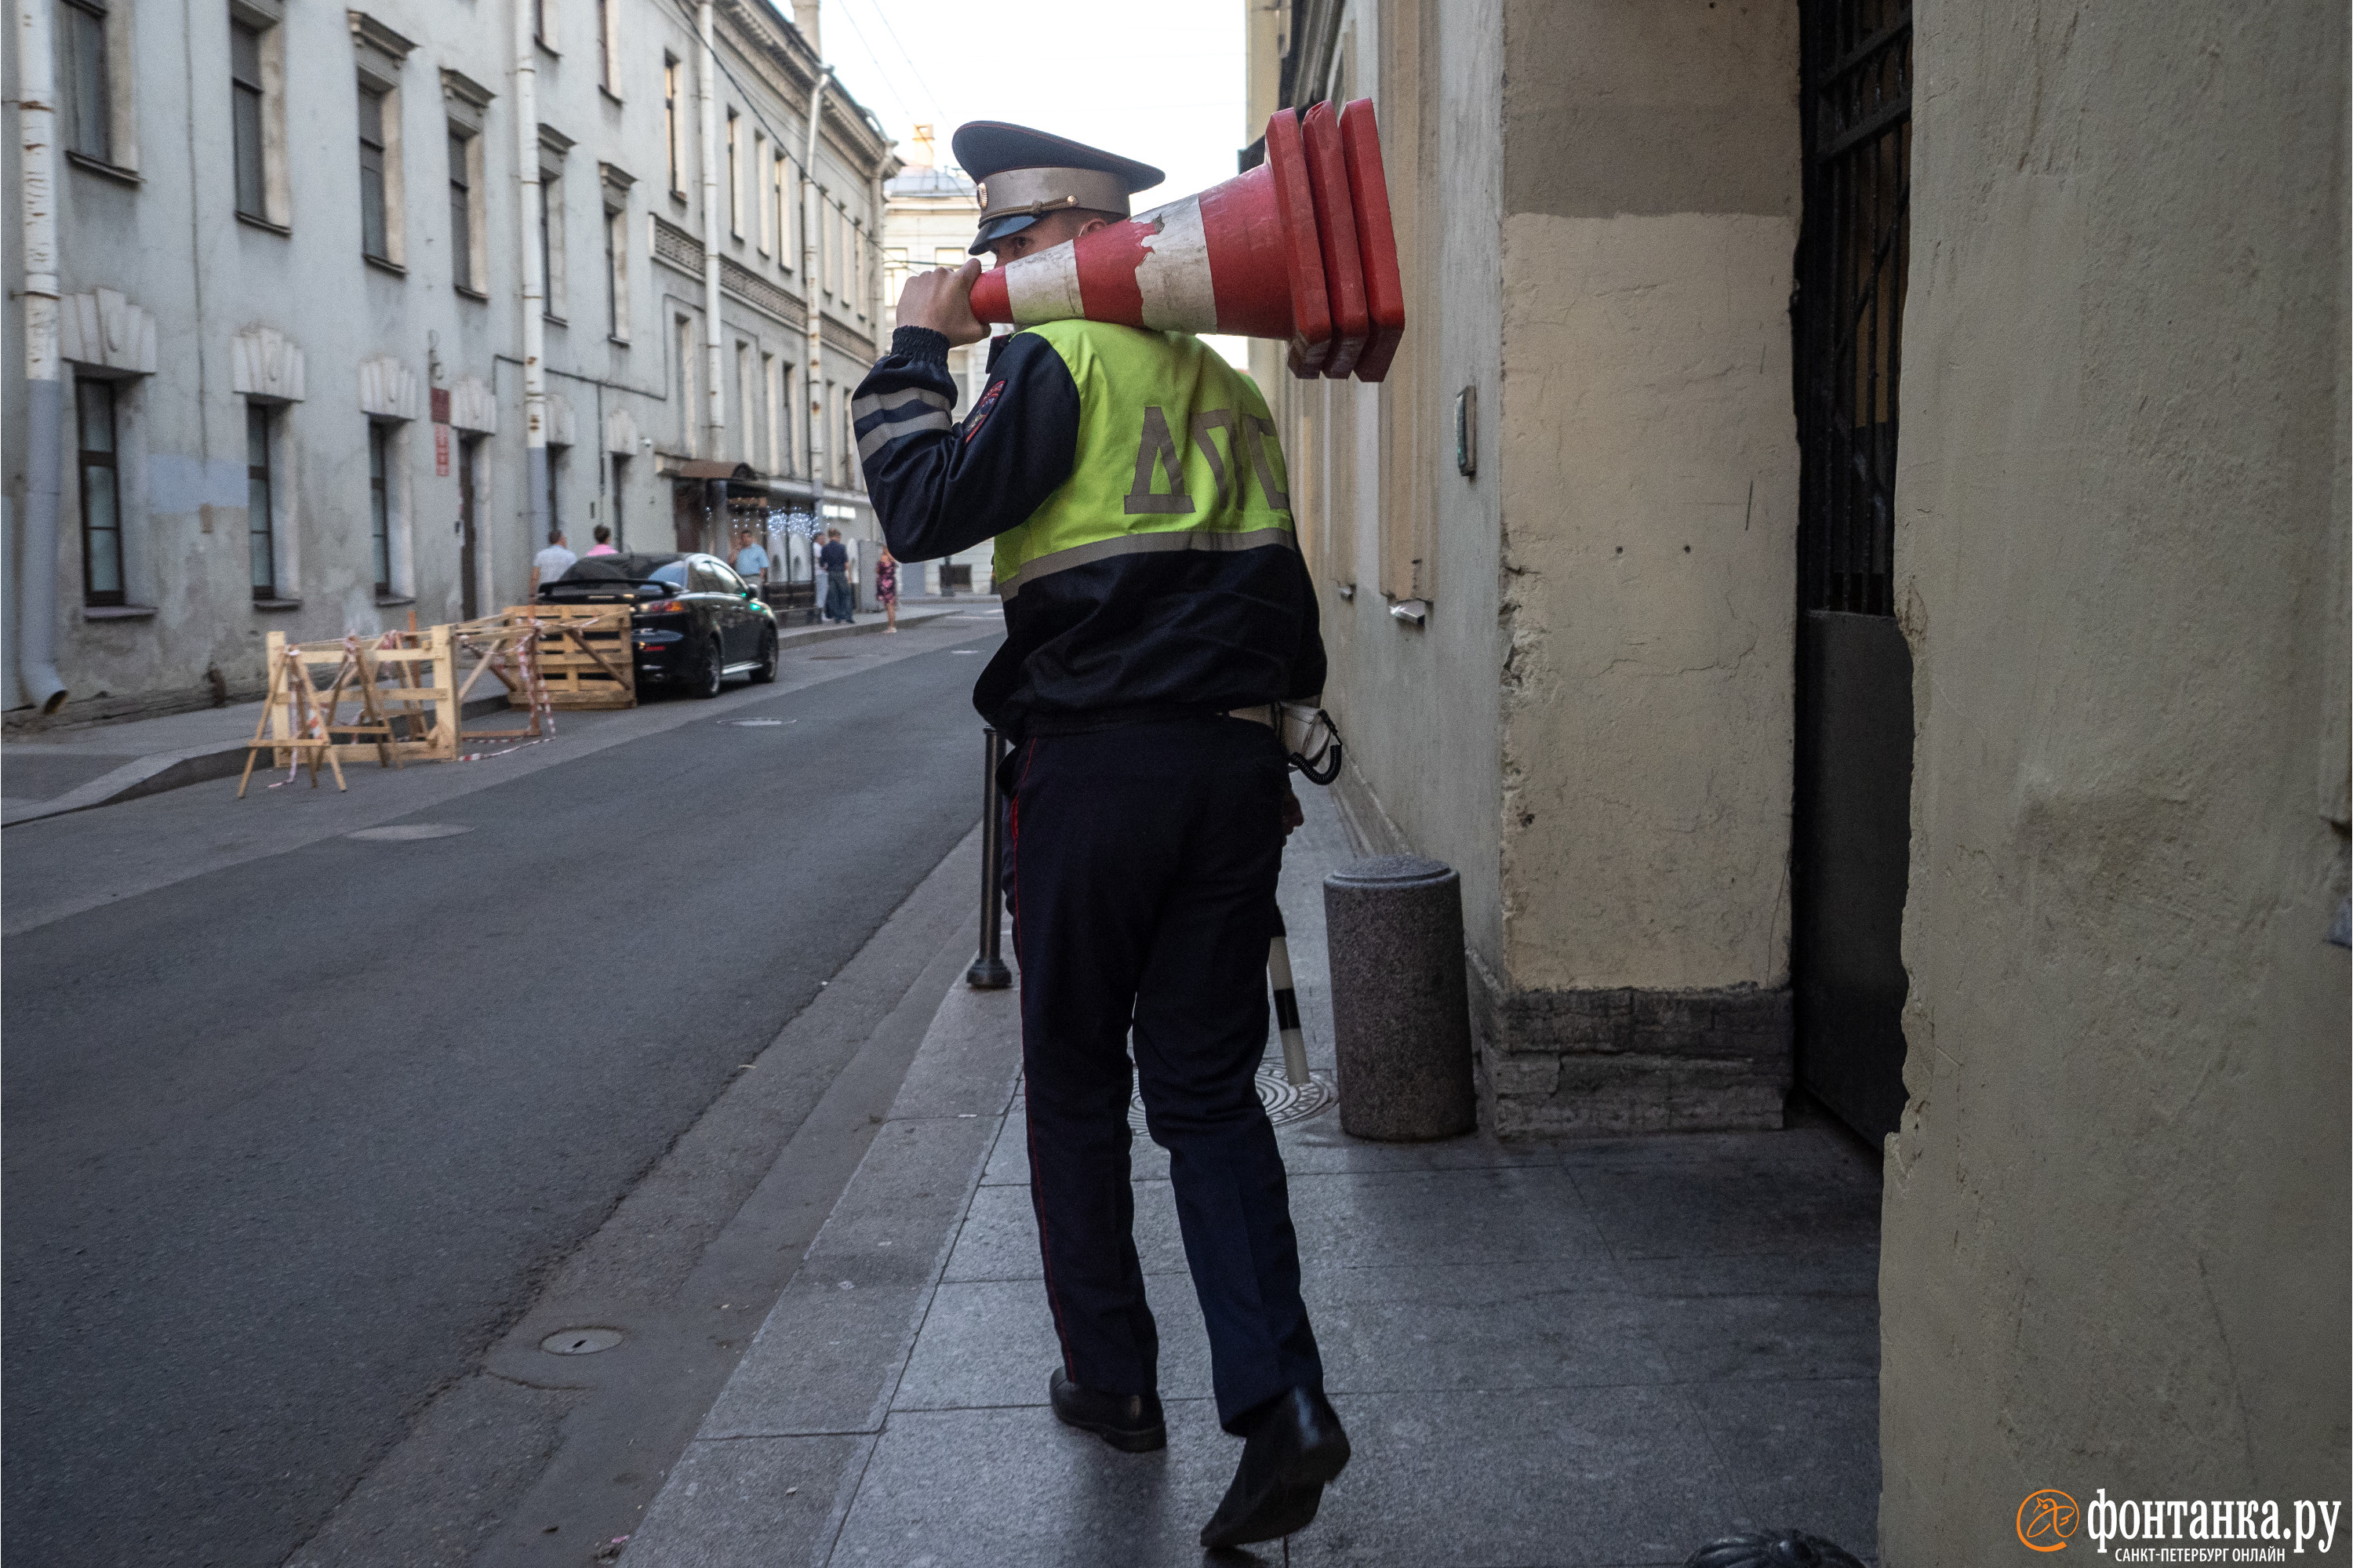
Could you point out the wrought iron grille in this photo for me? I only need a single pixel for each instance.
(1849, 306)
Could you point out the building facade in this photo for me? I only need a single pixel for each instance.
(1990, 785)
(352, 306)
(931, 212)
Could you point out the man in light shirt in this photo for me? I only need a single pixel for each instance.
(751, 560)
(552, 563)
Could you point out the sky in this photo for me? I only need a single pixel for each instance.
(1161, 81)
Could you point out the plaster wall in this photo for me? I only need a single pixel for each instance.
(1417, 705)
(2116, 1214)
(1649, 479)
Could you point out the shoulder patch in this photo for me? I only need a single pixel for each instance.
(981, 410)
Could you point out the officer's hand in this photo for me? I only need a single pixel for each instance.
(940, 300)
(1293, 817)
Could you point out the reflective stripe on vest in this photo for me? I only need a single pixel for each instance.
(1175, 452)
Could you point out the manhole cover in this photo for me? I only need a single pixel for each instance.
(580, 1341)
(1283, 1102)
(409, 832)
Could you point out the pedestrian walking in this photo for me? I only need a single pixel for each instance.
(1156, 609)
(604, 541)
(834, 561)
(551, 564)
(886, 587)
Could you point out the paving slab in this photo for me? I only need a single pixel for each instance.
(1596, 1353)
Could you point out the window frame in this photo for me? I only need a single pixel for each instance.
(88, 26)
(461, 153)
(107, 460)
(261, 479)
(253, 162)
(671, 141)
(380, 504)
(735, 175)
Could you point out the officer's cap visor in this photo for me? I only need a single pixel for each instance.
(996, 228)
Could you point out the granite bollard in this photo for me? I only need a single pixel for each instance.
(1400, 1009)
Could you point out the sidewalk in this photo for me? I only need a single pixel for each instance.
(49, 773)
(1593, 1353)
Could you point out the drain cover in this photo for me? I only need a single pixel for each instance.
(408, 833)
(580, 1341)
(1283, 1102)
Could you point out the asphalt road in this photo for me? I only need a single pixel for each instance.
(288, 1142)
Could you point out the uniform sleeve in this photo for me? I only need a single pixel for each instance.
(940, 486)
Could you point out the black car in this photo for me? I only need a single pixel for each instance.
(694, 623)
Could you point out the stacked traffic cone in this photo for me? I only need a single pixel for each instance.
(1299, 248)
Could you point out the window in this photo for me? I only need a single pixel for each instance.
(859, 268)
(89, 104)
(620, 500)
(735, 175)
(462, 212)
(686, 385)
(376, 228)
(551, 243)
(101, 494)
(760, 197)
(617, 274)
(554, 485)
(608, 46)
(783, 189)
(768, 387)
(260, 531)
(380, 504)
(670, 128)
(744, 396)
(543, 24)
(246, 100)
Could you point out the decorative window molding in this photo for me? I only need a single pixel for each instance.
(105, 332)
(266, 365)
(620, 433)
(562, 427)
(472, 409)
(388, 389)
(468, 101)
(381, 50)
(757, 291)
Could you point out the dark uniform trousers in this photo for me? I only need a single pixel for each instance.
(1145, 861)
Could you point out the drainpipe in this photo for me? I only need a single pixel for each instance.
(534, 265)
(812, 216)
(716, 398)
(37, 585)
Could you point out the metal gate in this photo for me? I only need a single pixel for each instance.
(1852, 806)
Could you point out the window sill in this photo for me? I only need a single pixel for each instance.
(551, 319)
(550, 51)
(476, 295)
(114, 172)
(393, 600)
(273, 606)
(384, 264)
(264, 225)
(118, 612)
(679, 198)
(610, 95)
(617, 342)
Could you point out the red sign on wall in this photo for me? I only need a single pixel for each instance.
(441, 405)
(440, 450)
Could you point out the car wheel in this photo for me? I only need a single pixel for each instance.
(704, 679)
(768, 658)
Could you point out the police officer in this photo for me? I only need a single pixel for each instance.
(1155, 606)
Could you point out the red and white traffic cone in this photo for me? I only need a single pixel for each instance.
(1250, 256)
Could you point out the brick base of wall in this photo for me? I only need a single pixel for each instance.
(1565, 1063)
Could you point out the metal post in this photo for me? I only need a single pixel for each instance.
(988, 972)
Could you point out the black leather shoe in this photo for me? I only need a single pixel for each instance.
(1295, 1448)
(1130, 1422)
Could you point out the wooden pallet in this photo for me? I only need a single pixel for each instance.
(585, 653)
(407, 691)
